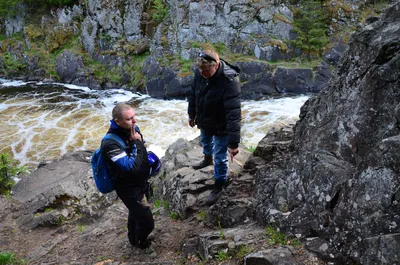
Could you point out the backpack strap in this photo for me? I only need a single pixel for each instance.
(116, 138)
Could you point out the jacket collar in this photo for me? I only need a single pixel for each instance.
(114, 125)
(114, 128)
(218, 72)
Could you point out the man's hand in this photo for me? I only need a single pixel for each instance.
(191, 123)
(135, 135)
(232, 152)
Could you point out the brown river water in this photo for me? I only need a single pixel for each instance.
(41, 122)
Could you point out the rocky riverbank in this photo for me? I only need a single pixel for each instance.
(56, 215)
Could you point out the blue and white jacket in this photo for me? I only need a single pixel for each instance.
(129, 165)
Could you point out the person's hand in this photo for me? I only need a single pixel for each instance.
(135, 135)
(232, 152)
(191, 123)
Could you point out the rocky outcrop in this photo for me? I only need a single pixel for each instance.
(236, 205)
(227, 22)
(59, 191)
(258, 80)
(262, 29)
(340, 180)
(113, 34)
(70, 68)
(16, 23)
(183, 187)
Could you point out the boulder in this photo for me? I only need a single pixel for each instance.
(183, 187)
(339, 182)
(68, 65)
(296, 81)
(59, 191)
(257, 80)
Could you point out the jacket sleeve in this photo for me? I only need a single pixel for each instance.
(231, 99)
(192, 99)
(124, 165)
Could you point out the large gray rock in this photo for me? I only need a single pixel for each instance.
(16, 23)
(321, 77)
(113, 21)
(108, 15)
(67, 14)
(340, 180)
(333, 55)
(293, 80)
(257, 79)
(70, 68)
(134, 12)
(89, 35)
(183, 187)
(59, 191)
(68, 65)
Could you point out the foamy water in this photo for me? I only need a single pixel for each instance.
(42, 122)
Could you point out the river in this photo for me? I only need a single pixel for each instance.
(41, 122)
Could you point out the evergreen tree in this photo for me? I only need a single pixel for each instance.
(311, 23)
(8, 170)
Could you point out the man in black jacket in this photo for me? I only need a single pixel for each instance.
(214, 105)
(130, 168)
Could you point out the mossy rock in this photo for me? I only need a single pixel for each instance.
(136, 48)
(33, 32)
(11, 44)
(279, 43)
(51, 43)
(60, 36)
(279, 17)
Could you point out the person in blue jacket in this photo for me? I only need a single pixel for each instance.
(130, 168)
(214, 105)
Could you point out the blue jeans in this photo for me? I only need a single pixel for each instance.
(217, 146)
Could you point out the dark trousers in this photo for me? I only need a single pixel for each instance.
(140, 219)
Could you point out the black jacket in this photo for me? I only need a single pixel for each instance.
(215, 103)
(129, 166)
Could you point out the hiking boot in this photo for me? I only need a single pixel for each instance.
(207, 161)
(216, 192)
(133, 240)
(144, 244)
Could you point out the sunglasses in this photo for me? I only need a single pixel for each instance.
(207, 57)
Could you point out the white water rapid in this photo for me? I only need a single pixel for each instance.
(41, 122)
